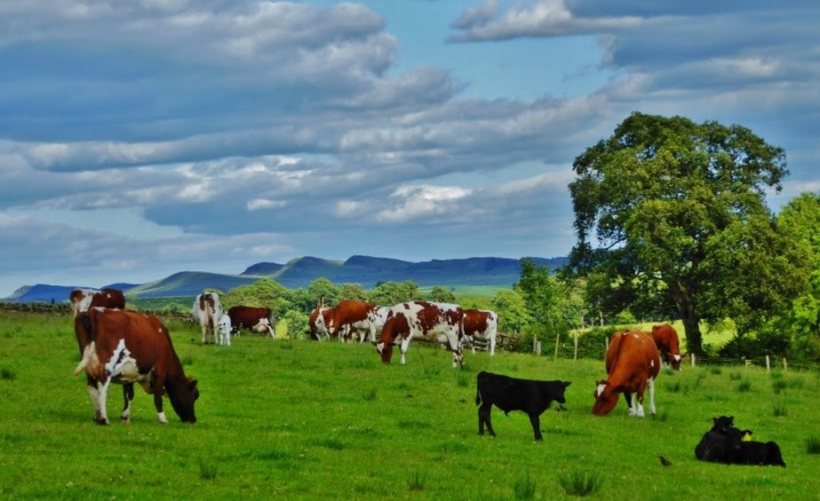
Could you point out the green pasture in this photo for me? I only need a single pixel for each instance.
(310, 420)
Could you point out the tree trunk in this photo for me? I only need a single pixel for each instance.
(694, 339)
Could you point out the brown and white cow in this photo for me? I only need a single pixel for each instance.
(207, 311)
(318, 326)
(439, 322)
(107, 297)
(483, 325)
(252, 318)
(632, 365)
(349, 319)
(128, 347)
(666, 339)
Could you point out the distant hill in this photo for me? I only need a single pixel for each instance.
(298, 273)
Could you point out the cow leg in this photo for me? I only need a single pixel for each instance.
(405, 343)
(128, 397)
(535, 421)
(630, 401)
(204, 330)
(102, 394)
(492, 345)
(458, 358)
(157, 386)
(639, 404)
(651, 385)
(94, 393)
(484, 416)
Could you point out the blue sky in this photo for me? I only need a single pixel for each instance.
(142, 138)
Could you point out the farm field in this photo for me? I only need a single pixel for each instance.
(308, 420)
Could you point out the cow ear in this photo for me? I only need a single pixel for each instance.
(566, 383)
(192, 383)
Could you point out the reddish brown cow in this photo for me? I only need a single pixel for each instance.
(420, 319)
(255, 319)
(128, 347)
(666, 339)
(481, 324)
(347, 318)
(632, 365)
(83, 299)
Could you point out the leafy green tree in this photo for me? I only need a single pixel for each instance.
(263, 292)
(542, 294)
(390, 293)
(677, 209)
(442, 295)
(322, 289)
(352, 291)
(297, 324)
(513, 315)
(800, 322)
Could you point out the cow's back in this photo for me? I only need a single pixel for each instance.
(632, 351)
(143, 335)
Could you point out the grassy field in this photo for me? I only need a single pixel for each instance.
(308, 420)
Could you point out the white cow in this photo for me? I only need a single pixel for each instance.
(439, 322)
(207, 310)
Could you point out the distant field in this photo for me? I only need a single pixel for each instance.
(308, 420)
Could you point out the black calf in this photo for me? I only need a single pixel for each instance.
(512, 394)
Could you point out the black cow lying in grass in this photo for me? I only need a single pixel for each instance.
(729, 445)
(511, 394)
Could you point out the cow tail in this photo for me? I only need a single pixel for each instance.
(477, 396)
(88, 354)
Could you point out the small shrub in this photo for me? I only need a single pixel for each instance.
(779, 385)
(416, 482)
(7, 374)
(673, 387)
(370, 395)
(524, 487)
(813, 445)
(580, 483)
(744, 386)
(207, 471)
(780, 410)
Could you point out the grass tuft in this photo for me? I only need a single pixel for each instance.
(779, 385)
(187, 361)
(780, 410)
(715, 370)
(674, 387)
(463, 380)
(744, 386)
(416, 481)
(735, 376)
(524, 487)
(207, 471)
(580, 483)
(370, 395)
(813, 445)
(7, 374)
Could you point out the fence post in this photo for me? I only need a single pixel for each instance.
(768, 367)
(557, 341)
(692, 356)
(606, 347)
(785, 365)
(747, 362)
(575, 352)
(537, 347)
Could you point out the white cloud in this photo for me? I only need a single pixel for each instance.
(419, 202)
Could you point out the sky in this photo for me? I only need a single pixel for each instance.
(142, 138)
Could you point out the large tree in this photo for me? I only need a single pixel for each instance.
(678, 213)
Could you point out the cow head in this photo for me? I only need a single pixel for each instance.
(723, 424)
(557, 393)
(605, 398)
(183, 394)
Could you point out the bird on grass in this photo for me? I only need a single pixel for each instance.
(665, 461)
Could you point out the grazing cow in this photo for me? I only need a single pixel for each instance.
(83, 299)
(224, 330)
(252, 318)
(207, 310)
(348, 318)
(420, 319)
(481, 324)
(128, 347)
(666, 339)
(632, 365)
(512, 394)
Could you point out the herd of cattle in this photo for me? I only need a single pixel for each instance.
(127, 347)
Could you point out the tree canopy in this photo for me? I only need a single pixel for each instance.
(677, 211)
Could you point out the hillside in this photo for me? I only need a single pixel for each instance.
(298, 273)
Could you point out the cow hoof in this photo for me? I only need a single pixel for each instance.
(101, 422)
